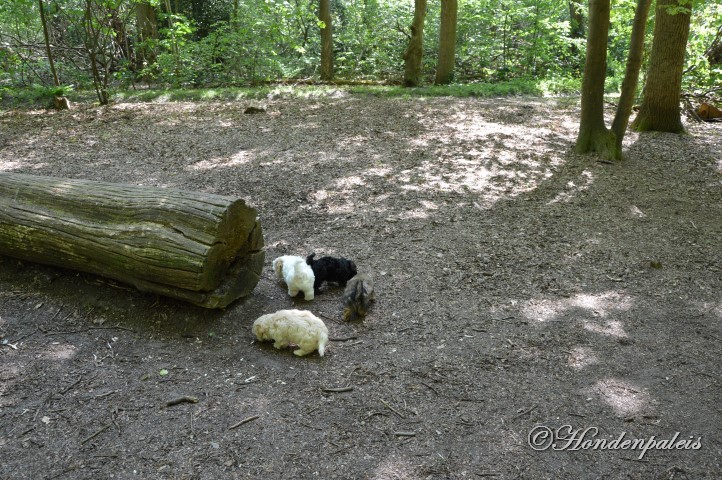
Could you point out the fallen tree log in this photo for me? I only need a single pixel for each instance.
(202, 248)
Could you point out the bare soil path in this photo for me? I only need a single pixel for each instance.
(518, 285)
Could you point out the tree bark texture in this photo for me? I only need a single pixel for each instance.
(631, 75)
(447, 42)
(660, 103)
(593, 134)
(413, 56)
(202, 248)
(324, 14)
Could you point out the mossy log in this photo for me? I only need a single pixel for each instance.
(202, 248)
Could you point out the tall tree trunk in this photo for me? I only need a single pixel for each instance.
(56, 81)
(631, 75)
(593, 134)
(660, 104)
(447, 42)
(147, 24)
(413, 55)
(324, 14)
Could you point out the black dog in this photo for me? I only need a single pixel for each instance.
(330, 269)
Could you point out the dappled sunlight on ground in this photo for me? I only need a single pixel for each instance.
(581, 357)
(585, 180)
(624, 397)
(237, 159)
(612, 328)
(598, 305)
(59, 351)
(10, 165)
(396, 469)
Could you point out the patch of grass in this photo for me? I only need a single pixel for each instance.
(561, 86)
(519, 86)
(33, 96)
(42, 96)
(500, 89)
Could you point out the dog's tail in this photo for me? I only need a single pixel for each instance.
(309, 259)
(322, 341)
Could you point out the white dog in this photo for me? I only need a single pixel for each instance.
(293, 327)
(297, 275)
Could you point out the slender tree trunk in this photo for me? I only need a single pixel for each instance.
(660, 104)
(147, 24)
(171, 27)
(324, 14)
(447, 42)
(631, 75)
(413, 55)
(56, 81)
(593, 134)
(93, 46)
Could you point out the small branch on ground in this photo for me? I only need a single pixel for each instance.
(245, 420)
(179, 400)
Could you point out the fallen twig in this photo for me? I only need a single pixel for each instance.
(329, 318)
(430, 387)
(336, 390)
(56, 313)
(386, 404)
(405, 434)
(342, 449)
(245, 420)
(342, 339)
(68, 388)
(179, 400)
(106, 394)
(528, 410)
(95, 435)
(714, 377)
(67, 332)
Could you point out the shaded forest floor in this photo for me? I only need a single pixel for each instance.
(518, 285)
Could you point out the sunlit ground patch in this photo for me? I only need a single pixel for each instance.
(624, 397)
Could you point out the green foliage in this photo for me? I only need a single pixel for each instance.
(524, 45)
(701, 75)
(34, 95)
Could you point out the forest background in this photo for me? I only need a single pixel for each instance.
(116, 47)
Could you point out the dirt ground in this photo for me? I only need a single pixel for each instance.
(519, 287)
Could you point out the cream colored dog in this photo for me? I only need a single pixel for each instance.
(293, 327)
(297, 275)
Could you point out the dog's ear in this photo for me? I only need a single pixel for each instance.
(309, 259)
